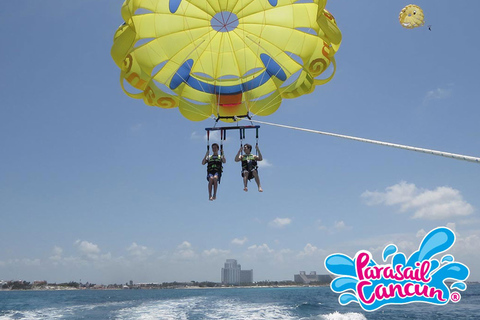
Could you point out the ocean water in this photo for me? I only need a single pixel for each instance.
(232, 303)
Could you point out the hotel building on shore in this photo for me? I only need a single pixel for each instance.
(232, 273)
(305, 278)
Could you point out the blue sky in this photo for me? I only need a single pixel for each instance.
(97, 186)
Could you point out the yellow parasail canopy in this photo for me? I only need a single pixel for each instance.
(411, 17)
(224, 58)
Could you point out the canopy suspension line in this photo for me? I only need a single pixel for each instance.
(388, 144)
(208, 140)
(223, 137)
(242, 136)
(256, 143)
(223, 134)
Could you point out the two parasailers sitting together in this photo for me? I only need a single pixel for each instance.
(215, 166)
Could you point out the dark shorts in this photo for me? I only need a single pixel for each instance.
(250, 174)
(211, 175)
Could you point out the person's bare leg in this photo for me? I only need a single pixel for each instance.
(210, 184)
(215, 185)
(257, 180)
(245, 181)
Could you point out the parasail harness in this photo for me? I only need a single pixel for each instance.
(248, 165)
(248, 162)
(215, 165)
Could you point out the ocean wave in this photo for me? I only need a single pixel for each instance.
(201, 308)
(309, 306)
(344, 316)
(55, 313)
(161, 309)
(232, 309)
(49, 313)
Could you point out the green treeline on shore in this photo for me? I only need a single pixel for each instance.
(26, 285)
(43, 285)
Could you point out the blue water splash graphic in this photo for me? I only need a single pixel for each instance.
(459, 285)
(448, 258)
(420, 278)
(388, 251)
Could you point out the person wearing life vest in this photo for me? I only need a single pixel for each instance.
(249, 165)
(214, 170)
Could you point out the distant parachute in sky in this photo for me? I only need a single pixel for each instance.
(224, 58)
(411, 17)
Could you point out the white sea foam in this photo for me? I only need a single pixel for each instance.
(205, 308)
(164, 310)
(231, 309)
(344, 316)
(48, 313)
(52, 313)
(201, 308)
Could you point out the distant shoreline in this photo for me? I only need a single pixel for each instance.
(256, 287)
(180, 287)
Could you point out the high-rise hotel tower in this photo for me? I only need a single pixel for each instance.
(232, 273)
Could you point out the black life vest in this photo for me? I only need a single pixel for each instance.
(215, 164)
(249, 163)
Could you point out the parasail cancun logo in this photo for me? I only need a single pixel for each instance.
(418, 279)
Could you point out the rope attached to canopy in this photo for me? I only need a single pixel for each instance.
(388, 144)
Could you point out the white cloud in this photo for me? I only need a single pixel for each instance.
(469, 221)
(261, 250)
(320, 225)
(87, 249)
(31, 262)
(184, 245)
(421, 234)
(437, 94)
(214, 136)
(308, 250)
(396, 194)
(280, 222)
(215, 252)
(56, 254)
(340, 225)
(261, 257)
(196, 136)
(57, 251)
(452, 226)
(185, 251)
(240, 242)
(138, 251)
(264, 163)
(24, 262)
(441, 203)
(468, 246)
(332, 229)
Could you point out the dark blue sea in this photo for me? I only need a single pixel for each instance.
(231, 303)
